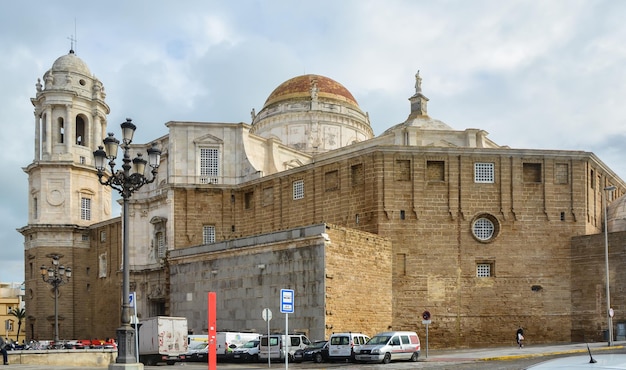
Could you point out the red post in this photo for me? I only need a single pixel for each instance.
(212, 331)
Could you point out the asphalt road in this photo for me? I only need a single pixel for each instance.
(510, 364)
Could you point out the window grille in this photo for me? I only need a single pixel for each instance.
(298, 189)
(483, 172)
(483, 270)
(483, 229)
(208, 234)
(209, 165)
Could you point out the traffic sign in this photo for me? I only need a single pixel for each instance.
(286, 301)
(266, 314)
(426, 315)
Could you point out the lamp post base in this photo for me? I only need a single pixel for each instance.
(126, 346)
(135, 366)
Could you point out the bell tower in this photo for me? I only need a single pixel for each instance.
(65, 197)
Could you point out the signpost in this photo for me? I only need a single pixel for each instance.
(426, 321)
(267, 316)
(133, 305)
(286, 307)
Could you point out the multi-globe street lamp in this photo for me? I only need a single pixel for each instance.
(609, 311)
(56, 275)
(126, 181)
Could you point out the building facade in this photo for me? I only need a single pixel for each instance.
(369, 231)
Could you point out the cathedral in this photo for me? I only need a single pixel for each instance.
(369, 231)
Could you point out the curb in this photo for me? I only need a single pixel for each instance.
(531, 355)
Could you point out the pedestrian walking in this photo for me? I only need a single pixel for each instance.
(3, 349)
(519, 336)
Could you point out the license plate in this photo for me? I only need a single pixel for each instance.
(236, 356)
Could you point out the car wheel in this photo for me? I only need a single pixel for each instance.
(387, 358)
(318, 358)
(414, 357)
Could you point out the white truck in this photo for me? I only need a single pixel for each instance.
(162, 339)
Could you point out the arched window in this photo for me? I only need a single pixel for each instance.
(61, 129)
(80, 131)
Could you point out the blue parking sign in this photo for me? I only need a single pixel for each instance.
(286, 301)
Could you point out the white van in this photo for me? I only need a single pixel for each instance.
(274, 346)
(227, 341)
(392, 345)
(343, 346)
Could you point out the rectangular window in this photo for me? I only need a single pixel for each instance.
(103, 236)
(248, 200)
(209, 165)
(35, 208)
(483, 173)
(160, 242)
(85, 209)
(208, 234)
(435, 171)
(531, 172)
(298, 189)
(356, 174)
(483, 270)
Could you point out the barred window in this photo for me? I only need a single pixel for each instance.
(483, 269)
(298, 189)
(483, 229)
(85, 209)
(483, 172)
(209, 165)
(208, 234)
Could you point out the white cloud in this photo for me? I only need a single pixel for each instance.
(535, 74)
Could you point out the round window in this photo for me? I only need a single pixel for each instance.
(485, 227)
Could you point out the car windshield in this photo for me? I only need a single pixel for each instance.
(251, 344)
(383, 339)
(317, 345)
(198, 346)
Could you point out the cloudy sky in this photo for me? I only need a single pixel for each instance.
(534, 74)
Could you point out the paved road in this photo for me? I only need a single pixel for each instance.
(501, 358)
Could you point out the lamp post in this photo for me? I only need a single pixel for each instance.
(606, 263)
(126, 183)
(56, 275)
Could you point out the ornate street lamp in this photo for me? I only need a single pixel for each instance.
(609, 310)
(126, 182)
(56, 275)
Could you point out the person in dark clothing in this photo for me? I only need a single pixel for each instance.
(519, 336)
(5, 355)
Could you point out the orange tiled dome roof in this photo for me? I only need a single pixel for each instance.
(301, 88)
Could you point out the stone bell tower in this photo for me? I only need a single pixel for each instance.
(64, 196)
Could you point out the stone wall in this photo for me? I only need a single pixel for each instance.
(589, 309)
(333, 271)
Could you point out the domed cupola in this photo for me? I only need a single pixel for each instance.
(313, 114)
(70, 110)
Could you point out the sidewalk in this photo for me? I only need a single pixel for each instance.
(513, 352)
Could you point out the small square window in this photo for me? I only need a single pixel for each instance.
(483, 269)
(483, 173)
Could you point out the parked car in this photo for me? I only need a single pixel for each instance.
(194, 349)
(388, 346)
(248, 352)
(315, 352)
(343, 346)
(274, 346)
